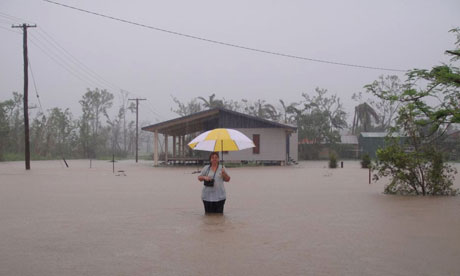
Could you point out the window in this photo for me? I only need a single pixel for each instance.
(256, 140)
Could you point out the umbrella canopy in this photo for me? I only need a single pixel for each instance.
(221, 139)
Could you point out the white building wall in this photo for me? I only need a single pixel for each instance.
(294, 146)
(272, 145)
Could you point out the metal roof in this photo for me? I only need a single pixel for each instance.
(349, 139)
(374, 134)
(379, 134)
(212, 118)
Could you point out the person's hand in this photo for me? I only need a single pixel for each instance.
(224, 173)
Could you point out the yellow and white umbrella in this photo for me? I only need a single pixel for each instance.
(221, 139)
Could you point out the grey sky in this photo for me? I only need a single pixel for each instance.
(154, 65)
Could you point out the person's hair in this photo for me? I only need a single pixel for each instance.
(213, 153)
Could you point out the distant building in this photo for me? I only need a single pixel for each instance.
(370, 142)
(348, 146)
(275, 142)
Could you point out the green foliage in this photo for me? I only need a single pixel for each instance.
(332, 160)
(417, 166)
(421, 172)
(11, 156)
(93, 136)
(366, 161)
(55, 133)
(321, 119)
(4, 127)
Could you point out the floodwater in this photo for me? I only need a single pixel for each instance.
(300, 220)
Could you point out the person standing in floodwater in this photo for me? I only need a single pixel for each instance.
(213, 177)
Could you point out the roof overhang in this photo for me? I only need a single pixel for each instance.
(184, 125)
(199, 121)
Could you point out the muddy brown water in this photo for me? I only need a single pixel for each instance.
(300, 220)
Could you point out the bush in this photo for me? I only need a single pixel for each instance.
(366, 161)
(413, 173)
(332, 160)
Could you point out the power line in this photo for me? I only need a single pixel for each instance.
(35, 86)
(9, 30)
(6, 20)
(62, 57)
(71, 63)
(90, 75)
(225, 43)
(62, 64)
(87, 70)
(15, 18)
(78, 63)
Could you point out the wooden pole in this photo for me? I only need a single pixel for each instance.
(369, 175)
(166, 148)
(137, 124)
(174, 146)
(63, 158)
(155, 148)
(26, 93)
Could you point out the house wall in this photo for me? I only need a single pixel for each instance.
(272, 146)
(370, 145)
(294, 146)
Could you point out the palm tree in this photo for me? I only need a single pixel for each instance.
(211, 103)
(261, 109)
(290, 111)
(363, 115)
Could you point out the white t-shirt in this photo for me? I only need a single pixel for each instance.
(217, 192)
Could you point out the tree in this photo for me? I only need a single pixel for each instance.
(386, 109)
(211, 102)
(232, 105)
(321, 118)
(416, 166)
(289, 112)
(260, 109)
(16, 122)
(184, 109)
(38, 130)
(59, 130)
(4, 126)
(117, 125)
(95, 104)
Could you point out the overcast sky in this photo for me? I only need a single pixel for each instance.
(151, 64)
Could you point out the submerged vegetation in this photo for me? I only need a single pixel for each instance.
(332, 160)
(416, 164)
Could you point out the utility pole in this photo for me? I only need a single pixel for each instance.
(137, 122)
(26, 92)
